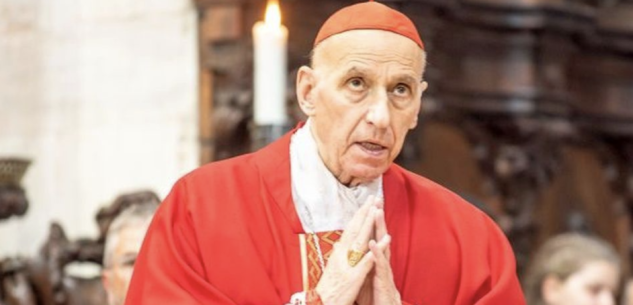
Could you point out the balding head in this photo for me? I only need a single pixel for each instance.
(332, 50)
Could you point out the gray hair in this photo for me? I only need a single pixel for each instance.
(562, 256)
(137, 214)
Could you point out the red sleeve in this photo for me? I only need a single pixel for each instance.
(505, 286)
(168, 269)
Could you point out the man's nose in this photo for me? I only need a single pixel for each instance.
(379, 113)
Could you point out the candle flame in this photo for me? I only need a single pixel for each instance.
(273, 14)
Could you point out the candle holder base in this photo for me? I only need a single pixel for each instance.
(262, 135)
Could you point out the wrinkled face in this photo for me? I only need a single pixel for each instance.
(595, 284)
(362, 95)
(117, 277)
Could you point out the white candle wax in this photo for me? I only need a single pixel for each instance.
(270, 47)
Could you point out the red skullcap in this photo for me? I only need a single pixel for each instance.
(369, 16)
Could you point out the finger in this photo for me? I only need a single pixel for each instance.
(365, 265)
(366, 232)
(379, 203)
(384, 244)
(354, 226)
(381, 225)
(381, 262)
(381, 230)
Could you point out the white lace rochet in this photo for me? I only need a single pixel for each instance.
(322, 202)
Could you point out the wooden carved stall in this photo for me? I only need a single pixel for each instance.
(601, 83)
(528, 114)
(13, 200)
(504, 91)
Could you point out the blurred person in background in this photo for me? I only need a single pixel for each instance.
(122, 244)
(627, 295)
(573, 269)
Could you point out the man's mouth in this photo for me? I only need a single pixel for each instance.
(372, 147)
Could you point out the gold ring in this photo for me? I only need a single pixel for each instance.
(354, 256)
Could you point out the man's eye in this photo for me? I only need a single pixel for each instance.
(402, 90)
(356, 83)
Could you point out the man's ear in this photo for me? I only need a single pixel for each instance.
(550, 289)
(423, 86)
(415, 119)
(305, 90)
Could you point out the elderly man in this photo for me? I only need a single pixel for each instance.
(123, 242)
(267, 228)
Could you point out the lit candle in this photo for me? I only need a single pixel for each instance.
(270, 45)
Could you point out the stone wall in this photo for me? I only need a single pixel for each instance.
(102, 96)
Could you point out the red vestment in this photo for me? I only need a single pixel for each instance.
(228, 233)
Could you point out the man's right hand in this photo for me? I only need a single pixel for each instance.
(341, 282)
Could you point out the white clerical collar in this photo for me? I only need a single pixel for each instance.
(322, 202)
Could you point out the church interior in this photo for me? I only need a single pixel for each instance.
(528, 116)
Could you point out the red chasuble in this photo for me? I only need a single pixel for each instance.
(228, 233)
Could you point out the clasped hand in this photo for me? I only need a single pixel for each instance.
(370, 280)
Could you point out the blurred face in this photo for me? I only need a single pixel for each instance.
(595, 284)
(117, 278)
(362, 95)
